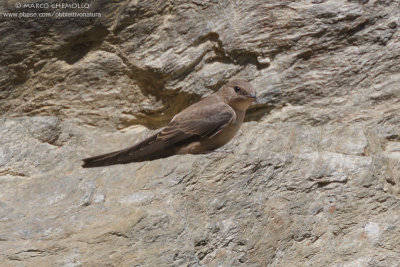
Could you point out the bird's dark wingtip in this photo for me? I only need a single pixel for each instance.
(91, 162)
(86, 163)
(102, 160)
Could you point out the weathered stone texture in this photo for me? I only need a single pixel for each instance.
(314, 179)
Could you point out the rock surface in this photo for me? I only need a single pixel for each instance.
(314, 179)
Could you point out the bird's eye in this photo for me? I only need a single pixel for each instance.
(236, 88)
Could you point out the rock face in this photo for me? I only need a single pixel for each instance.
(315, 175)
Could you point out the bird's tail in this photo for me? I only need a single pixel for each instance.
(149, 149)
(103, 160)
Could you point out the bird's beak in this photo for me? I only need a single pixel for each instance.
(253, 96)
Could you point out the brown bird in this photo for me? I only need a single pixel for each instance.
(201, 128)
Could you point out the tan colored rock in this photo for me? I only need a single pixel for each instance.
(314, 178)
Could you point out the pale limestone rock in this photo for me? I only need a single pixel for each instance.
(314, 179)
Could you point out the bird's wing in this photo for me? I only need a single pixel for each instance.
(203, 121)
(188, 126)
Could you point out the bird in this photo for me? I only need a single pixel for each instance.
(201, 128)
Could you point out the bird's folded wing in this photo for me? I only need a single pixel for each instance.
(205, 121)
(188, 126)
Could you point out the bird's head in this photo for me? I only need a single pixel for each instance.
(238, 94)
